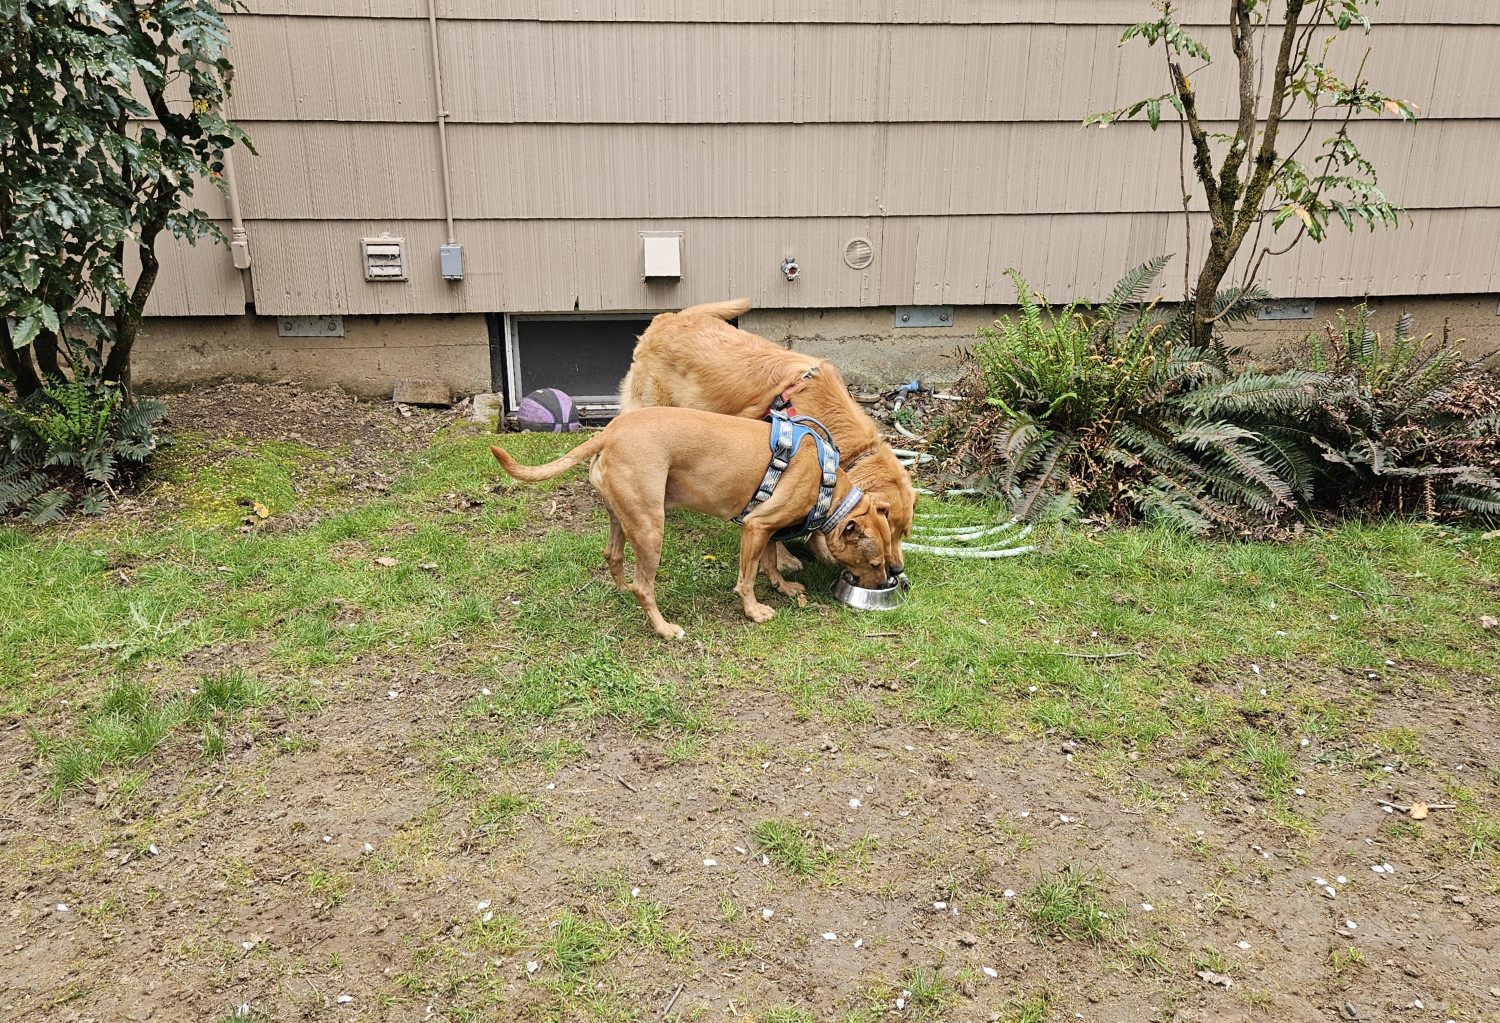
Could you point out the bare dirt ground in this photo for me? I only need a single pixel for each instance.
(321, 869)
(221, 913)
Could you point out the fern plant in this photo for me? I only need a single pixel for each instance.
(1407, 424)
(69, 444)
(1113, 410)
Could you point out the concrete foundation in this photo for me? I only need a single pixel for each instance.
(177, 352)
(866, 344)
(872, 351)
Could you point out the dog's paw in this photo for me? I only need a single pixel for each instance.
(785, 562)
(670, 631)
(759, 613)
(791, 589)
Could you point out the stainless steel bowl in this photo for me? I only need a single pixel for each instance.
(887, 598)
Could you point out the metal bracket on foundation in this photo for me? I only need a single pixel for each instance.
(924, 316)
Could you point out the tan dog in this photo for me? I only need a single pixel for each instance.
(653, 459)
(694, 359)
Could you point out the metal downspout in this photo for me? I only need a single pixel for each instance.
(442, 119)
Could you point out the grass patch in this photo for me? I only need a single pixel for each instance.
(576, 945)
(130, 722)
(1034, 1007)
(1070, 903)
(786, 1013)
(329, 888)
(793, 848)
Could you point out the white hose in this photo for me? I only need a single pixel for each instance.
(903, 431)
(963, 535)
(968, 552)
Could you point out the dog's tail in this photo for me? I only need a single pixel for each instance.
(532, 473)
(723, 310)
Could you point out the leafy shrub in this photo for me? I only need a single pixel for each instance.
(1405, 425)
(1112, 410)
(71, 442)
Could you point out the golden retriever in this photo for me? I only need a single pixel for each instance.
(695, 359)
(652, 459)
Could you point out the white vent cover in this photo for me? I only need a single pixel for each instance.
(384, 258)
(859, 253)
(661, 255)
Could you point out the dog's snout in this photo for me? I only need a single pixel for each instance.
(895, 570)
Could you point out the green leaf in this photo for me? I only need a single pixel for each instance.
(26, 331)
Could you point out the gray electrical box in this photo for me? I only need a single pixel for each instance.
(451, 260)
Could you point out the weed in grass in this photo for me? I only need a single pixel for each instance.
(686, 749)
(1069, 902)
(929, 989)
(729, 910)
(786, 1013)
(147, 636)
(578, 832)
(498, 931)
(329, 887)
(1401, 827)
(501, 810)
(1342, 961)
(1146, 956)
(1028, 1008)
(1210, 959)
(576, 945)
(646, 928)
(733, 948)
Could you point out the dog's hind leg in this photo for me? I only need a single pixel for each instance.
(645, 535)
(785, 560)
(614, 551)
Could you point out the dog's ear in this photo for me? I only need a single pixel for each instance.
(883, 510)
(852, 530)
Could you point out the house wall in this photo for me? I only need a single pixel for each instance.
(946, 133)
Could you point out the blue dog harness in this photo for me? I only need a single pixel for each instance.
(787, 435)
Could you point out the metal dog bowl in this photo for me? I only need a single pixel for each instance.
(886, 598)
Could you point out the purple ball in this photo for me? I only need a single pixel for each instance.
(547, 410)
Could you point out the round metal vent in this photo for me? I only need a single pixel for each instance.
(859, 253)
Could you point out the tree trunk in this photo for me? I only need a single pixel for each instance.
(17, 363)
(45, 349)
(1215, 266)
(128, 315)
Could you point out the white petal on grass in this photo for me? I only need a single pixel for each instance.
(988, 972)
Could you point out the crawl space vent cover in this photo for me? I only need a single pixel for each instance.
(859, 253)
